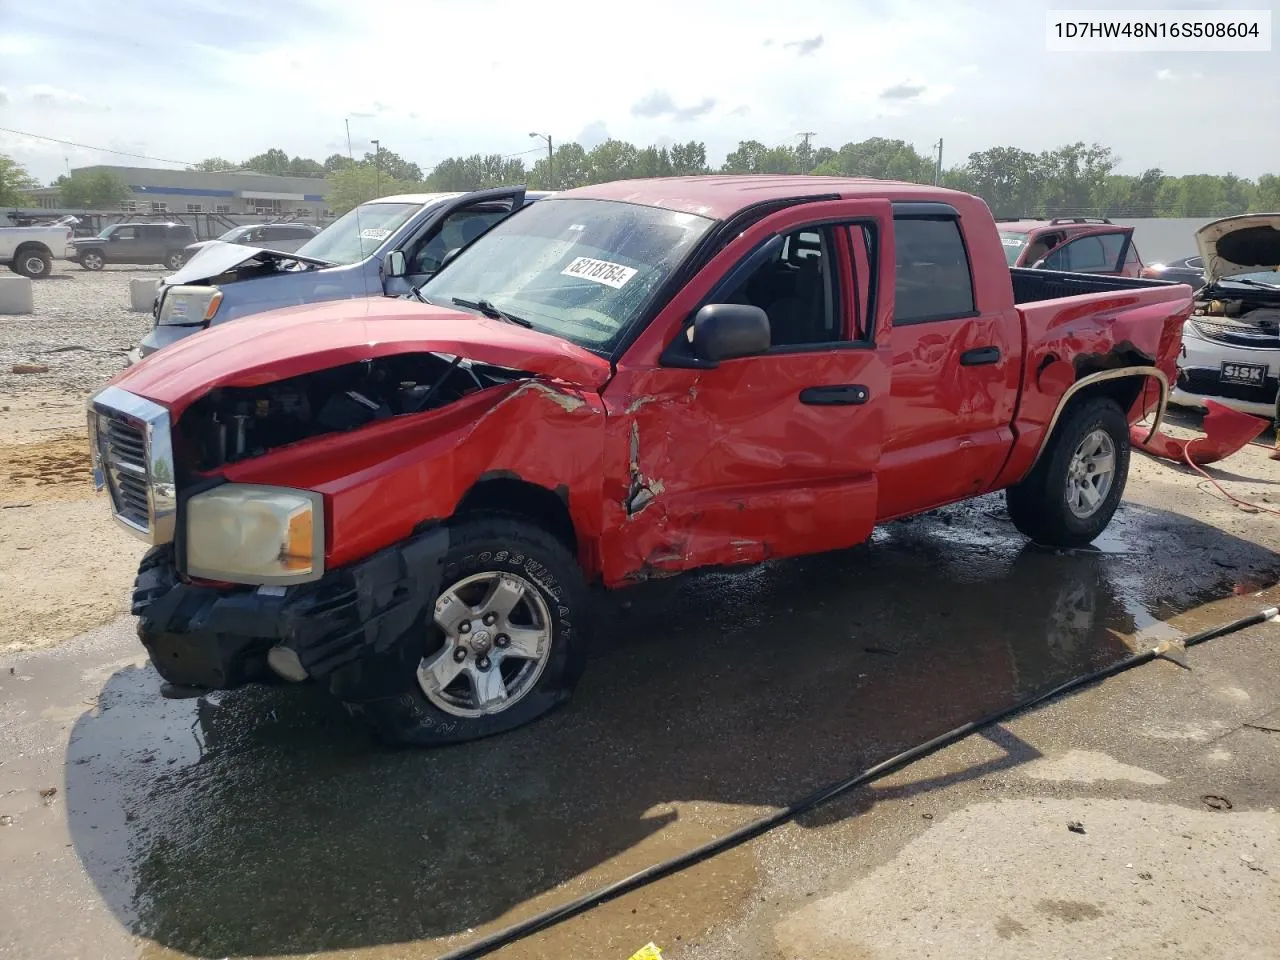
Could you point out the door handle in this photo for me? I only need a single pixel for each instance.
(979, 356)
(844, 394)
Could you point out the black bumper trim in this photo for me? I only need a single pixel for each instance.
(353, 628)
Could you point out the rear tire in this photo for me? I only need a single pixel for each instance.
(1073, 491)
(32, 262)
(490, 556)
(175, 261)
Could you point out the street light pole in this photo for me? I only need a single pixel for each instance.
(551, 172)
(377, 168)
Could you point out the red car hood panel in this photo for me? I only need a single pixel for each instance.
(286, 343)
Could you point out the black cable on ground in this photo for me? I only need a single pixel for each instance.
(495, 941)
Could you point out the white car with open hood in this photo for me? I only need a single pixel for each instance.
(1231, 342)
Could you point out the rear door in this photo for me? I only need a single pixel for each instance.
(153, 240)
(957, 360)
(763, 456)
(451, 225)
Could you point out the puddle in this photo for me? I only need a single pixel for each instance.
(264, 823)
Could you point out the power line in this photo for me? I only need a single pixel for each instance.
(86, 146)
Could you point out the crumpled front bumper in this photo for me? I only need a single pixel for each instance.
(361, 629)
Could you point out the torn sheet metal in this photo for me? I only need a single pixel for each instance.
(1226, 432)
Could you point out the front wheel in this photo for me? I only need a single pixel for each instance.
(1073, 491)
(504, 641)
(92, 261)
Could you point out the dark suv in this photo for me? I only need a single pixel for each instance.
(164, 243)
(271, 236)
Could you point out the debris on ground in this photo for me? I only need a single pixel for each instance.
(1075, 826)
(30, 368)
(650, 951)
(1214, 802)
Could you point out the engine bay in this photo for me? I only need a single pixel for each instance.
(230, 424)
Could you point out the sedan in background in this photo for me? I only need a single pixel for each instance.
(285, 237)
(1231, 342)
(1188, 270)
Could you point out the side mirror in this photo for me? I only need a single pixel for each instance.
(393, 264)
(723, 331)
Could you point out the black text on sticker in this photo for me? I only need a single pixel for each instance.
(601, 271)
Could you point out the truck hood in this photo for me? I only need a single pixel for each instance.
(293, 341)
(1236, 245)
(216, 257)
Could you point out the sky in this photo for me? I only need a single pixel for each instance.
(188, 79)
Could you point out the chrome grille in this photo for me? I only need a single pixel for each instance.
(1237, 334)
(133, 460)
(124, 462)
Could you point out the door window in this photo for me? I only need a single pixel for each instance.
(458, 230)
(933, 280)
(1113, 246)
(125, 233)
(1086, 255)
(796, 288)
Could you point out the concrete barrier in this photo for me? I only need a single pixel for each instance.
(142, 293)
(16, 295)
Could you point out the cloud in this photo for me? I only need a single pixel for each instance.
(658, 103)
(805, 47)
(1164, 74)
(48, 96)
(4, 96)
(902, 91)
(593, 134)
(741, 111)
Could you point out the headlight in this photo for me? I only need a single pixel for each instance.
(189, 305)
(245, 533)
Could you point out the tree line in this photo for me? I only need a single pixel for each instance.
(1075, 179)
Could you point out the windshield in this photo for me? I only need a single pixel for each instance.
(359, 232)
(578, 269)
(1013, 244)
(106, 231)
(234, 234)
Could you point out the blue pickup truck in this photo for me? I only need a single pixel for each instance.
(385, 246)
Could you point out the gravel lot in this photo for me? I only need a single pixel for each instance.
(81, 330)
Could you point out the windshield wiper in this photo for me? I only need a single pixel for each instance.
(1251, 283)
(492, 312)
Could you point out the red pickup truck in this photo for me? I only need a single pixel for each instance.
(407, 500)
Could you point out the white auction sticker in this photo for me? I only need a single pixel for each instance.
(600, 271)
(374, 233)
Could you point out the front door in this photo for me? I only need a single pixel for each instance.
(764, 456)
(452, 226)
(123, 244)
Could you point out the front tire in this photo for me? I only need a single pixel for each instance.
(502, 644)
(92, 261)
(1073, 491)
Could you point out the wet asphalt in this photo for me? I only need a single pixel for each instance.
(264, 823)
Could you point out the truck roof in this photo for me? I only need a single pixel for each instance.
(721, 196)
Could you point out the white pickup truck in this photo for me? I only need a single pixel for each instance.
(31, 251)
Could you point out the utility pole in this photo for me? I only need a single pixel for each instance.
(937, 167)
(805, 154)
(551, 173)
(377, 168)
(807, 134)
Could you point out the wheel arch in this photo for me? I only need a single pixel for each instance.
(32, 246)
(509, 493)
(1122, 384)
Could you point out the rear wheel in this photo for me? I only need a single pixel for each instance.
(32, 262)
(504, 643)
(1073, 491)
(174, 261)
(92, 260)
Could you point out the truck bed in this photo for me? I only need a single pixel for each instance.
(1032, 286)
